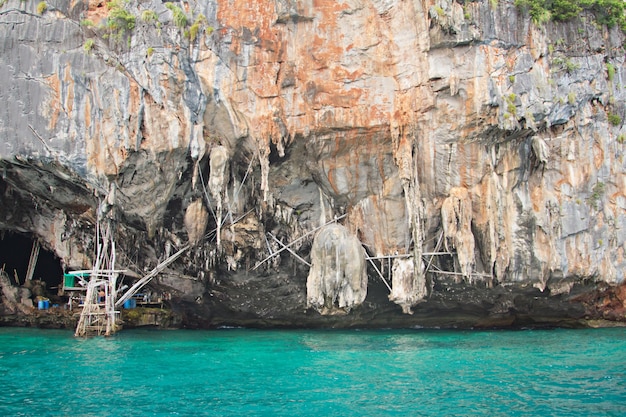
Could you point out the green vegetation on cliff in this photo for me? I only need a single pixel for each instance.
(180, 18)
(119, 19)
(42, 7)
(607, 12)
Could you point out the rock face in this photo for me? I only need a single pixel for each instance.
(476, 157)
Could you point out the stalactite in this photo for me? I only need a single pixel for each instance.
(264, 160)
(406, 288)
(456, 217)
(196, 220)
(218, 162)
(407, 167)
(197, 149)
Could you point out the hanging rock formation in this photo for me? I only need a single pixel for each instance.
(337, 279)
(456, 219)
(196, 219)
(406, 288)
(239, 127)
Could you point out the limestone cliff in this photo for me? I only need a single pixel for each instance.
(477, 157)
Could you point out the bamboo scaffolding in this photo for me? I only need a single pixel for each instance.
(432, 256)
(99, 316)
(143, 281)
(229, 215)
(290, 250)
(297, 240)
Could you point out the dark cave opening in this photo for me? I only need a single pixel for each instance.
(275, 158)
(15, 250)
(377, 291)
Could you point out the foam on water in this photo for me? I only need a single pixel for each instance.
(290, 373)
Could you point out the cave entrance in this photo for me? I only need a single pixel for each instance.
(15, 250)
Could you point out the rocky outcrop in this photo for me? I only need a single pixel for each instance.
(15, 299)
(243, 126)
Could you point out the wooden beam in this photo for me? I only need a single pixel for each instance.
(32, 262)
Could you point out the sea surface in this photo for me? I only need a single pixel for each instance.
(239, 372)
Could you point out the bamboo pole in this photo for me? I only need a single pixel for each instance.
(408, 255)
(439, 271)
(289, 249)
(269, 248)
(478, 274)
(236, 195)
(380, 274)
(100, 272)
(402, 255)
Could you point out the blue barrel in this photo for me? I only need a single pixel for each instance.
(130, 303)
(43, 304)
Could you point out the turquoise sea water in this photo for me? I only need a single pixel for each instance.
(322, 373)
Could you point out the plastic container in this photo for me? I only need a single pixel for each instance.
(43, 304)
(130, 303)
(69, 280)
